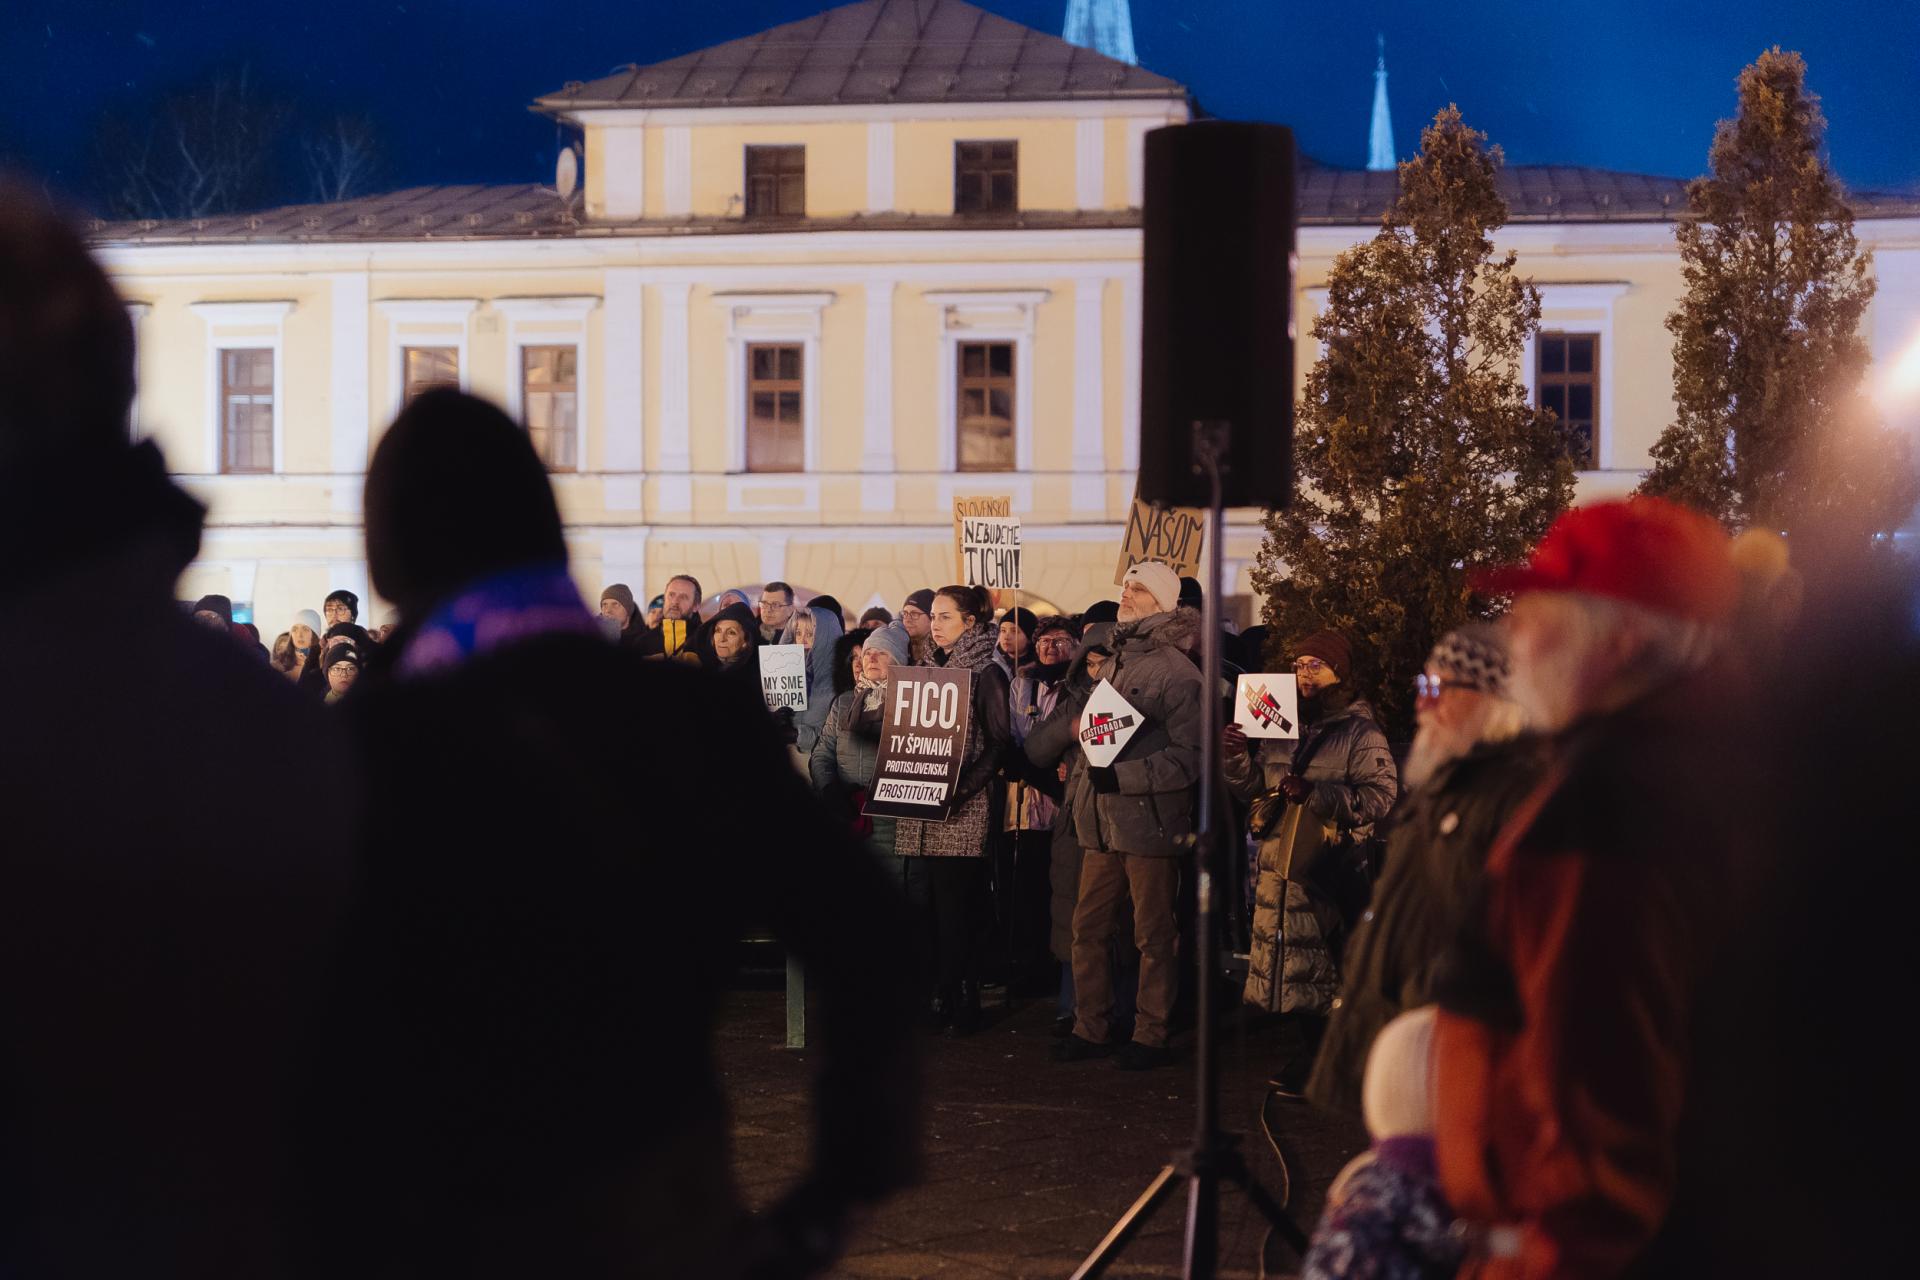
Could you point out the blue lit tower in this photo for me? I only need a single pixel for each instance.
(1105, 26)
(1380, 136)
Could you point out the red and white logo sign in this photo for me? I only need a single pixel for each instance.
(1107, 723)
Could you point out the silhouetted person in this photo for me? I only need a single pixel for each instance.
(528, 1079)
(167, 884)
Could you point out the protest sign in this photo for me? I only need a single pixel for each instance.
(1267, 706)
(990, 552)
(923, 743)
(975, 506)
(783, 676)
(1176, 536)
(1107, 723)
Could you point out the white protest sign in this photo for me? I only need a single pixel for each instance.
(990, 551)
(1267, 706)
(1107, 723)
(783, 676)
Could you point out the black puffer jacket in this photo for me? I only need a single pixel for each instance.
(1434, 857)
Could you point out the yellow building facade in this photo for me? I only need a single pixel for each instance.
(779, 328)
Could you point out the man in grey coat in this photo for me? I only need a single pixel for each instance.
(1133, 817)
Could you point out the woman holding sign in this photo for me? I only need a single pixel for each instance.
(945, 859)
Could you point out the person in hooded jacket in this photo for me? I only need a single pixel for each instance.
(1339, 774)
(946, 859)
(829, 624)
(521, 1078)
(1023, 848)
(841, 765)
(161, 968)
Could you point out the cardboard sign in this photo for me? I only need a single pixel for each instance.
(964, 507)
(1175, 536)
(783, 676)
(1267, 706)
(923, 743)
(1107, 723)
(990, 552)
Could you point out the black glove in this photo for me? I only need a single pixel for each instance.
(1105, 781)
(784, 727)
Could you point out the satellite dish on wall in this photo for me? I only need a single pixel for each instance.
(566, 173)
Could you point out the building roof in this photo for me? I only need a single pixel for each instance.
(1325, 197)
(874, 51)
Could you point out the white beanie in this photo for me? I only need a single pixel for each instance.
(1397, 1094)
(1162, 583)
(311, 621)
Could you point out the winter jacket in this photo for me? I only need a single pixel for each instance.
(964, 833)
(1434, 854)
(1151, 814)
(841, 762)
(652, 641)
(1030, 807)
(1390, 1222)
(827, 630)
(1296, 929)
(1579, 1004)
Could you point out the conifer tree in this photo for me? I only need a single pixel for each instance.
(1772, 428)
(1419, 456)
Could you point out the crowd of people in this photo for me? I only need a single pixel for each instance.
(455, 1018)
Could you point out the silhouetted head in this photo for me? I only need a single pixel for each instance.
(455, 495)
(66, 344)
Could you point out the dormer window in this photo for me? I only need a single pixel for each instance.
(776, 182)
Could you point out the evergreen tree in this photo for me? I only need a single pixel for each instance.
(1772, 428)
(1419, 456)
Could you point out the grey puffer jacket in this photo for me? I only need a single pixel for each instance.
(1151, 814)
(1355, 783)
(844, 756)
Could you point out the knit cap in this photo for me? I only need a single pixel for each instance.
(1162, 583)
(311, 621)
(922, 600)
(1396, 1094)
(1331, 648)
(1474, 656)
(891, 639)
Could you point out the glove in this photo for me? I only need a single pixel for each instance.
(1296, 788)
(1105, 781)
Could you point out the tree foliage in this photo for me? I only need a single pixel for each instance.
(1772, 427)
(1419, 455)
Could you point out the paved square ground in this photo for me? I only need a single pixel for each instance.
(1029, 1162)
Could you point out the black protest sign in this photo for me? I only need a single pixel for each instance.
(923, 742)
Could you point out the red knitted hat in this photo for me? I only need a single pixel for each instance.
(1644, 551)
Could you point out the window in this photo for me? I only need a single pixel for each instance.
(776, 182)
(985, 417)
(428, 367)
(549, 399)
(776, 435)
(246, 411)
(1567, 378)
(986, 177)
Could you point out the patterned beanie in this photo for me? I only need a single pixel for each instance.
(1474, 656)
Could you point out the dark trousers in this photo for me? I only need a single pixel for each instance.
(945, 893)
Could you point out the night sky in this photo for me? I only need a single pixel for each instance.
(1635, 85)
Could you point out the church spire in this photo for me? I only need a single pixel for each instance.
(1380, 137)
(1105, 26)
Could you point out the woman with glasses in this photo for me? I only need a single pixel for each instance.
(1338, 779)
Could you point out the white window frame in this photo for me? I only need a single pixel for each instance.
(223, 319)
(754, 318)
(998, 315)
(563, 321)
(430, 322)
(136, 312)
(1580, 309)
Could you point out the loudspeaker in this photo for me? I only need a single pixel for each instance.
(1217, 311)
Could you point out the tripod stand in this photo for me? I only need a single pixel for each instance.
(1214, 1156)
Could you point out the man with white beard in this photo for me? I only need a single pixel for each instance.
(1572, 1002)
(1468, 770)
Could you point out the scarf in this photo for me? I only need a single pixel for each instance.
(496, 613)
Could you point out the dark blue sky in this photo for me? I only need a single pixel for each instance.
(1636, 84)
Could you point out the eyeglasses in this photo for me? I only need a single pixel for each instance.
(1309, 666)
